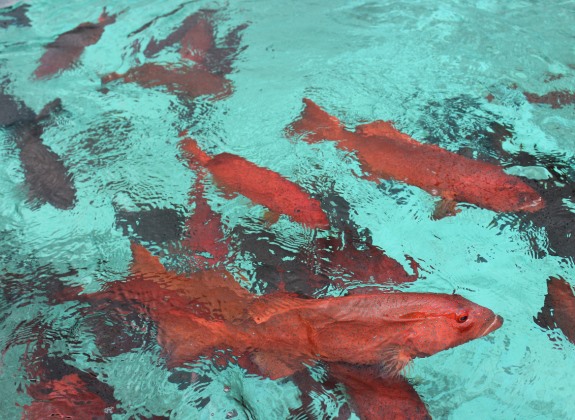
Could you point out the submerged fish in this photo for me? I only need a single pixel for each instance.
(69, 46)
(373, 397)
(196, 36)
(236, 175)
(188, 81)
(280, 332)
(559, 308)
(556, 98)
(386, 153)
(46, 176)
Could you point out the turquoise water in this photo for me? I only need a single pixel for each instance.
(427, 67)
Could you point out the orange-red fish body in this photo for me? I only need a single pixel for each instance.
(69, 46)
(386, 153)
(67, 397)
(559, 308)
(282, 332)
(189, 81)
(235, 174)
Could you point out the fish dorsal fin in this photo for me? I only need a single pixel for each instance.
(384, 129)
(316, 124)
(144, 262)
(266, 307)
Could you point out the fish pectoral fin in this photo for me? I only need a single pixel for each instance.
(394, 360)
(275, 366)
(271, 217)
(444, 208)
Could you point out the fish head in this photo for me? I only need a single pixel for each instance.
(310, 213)
(443, 321)
(512, 194)
(390, 329)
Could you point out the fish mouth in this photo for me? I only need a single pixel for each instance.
(533, 205)
(495, 324)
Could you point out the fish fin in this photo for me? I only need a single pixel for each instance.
(444, 208)
(274, 366)
(271, 217)
(193, 152)
(394, 360)
(383, 129)
(144, 262)
(265, 307)
(316, 124)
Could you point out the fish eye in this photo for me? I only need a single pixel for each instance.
(462, 318)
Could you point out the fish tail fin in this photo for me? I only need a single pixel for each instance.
(194, 154)
(315, 124)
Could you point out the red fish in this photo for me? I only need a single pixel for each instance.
(67, 397)
(65, 51)
(281, 332)
(559, 308)
(205, 234)
(386, 153)
(366, 263)
(556, 98)
(191, 82)
(195, 35)
(374, 397)
(235, 174)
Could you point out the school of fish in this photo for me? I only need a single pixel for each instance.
(363, 339)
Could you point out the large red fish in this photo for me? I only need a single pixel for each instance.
(235, 174)
(69, 46)
(386, 153)
(374, 397)
(281, 332)
(191, 82)
(559, 308)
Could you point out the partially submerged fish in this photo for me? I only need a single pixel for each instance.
(65, 51)
(386, 153)
(188, 81)
(280, 332)
(236, 175)
(559, 308)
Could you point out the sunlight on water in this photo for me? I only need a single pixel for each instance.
(106, 168)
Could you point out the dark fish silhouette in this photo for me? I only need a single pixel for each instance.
(190, 82)
(374, 397)
(65, 51)
(46, 176)
(16, 16)
(559, 308)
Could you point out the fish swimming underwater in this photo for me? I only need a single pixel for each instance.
(65, 51)
(386, 153)
(46, 176)
(280, 332)
(559, 308)
(236, 175)
(190, 82)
